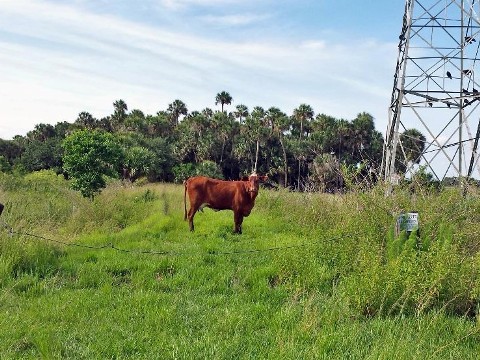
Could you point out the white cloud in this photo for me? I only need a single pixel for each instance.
(69, 60)
(182, 4)
(234, 20)
(314, 44)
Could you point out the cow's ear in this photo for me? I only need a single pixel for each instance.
(263, 178)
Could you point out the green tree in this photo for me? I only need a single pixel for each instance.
(136, 122)
(88, 157)
(163, 160)
(324, 134)
(182, 172)
(363, 128)
(241, 113)
(41, 132)
(5, 165)
(175, 109)
(62, 129)
(39, 155)
(344, 145)
(11, 150)
(223, 98)
(159, 125)
(244, 147)
(85, 121)
(223, 126)
(137, 162)
(325, 173)
(422, 180)
(119, 115)
(107, 124)
(257, 125)
(302, 116)
(280, 123)
(196, 139)
(207, 112)
(210, 169)
(410, 152)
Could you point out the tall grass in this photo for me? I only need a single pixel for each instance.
(313, 275)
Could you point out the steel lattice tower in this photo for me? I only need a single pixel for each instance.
(435, 88)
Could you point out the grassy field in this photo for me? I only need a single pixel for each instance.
(312, 276)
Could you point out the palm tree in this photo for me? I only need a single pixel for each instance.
(363, 129)
(344, 141)
(198, 139)
(223, 125)
(119, 114)
(241, 113)
(280, 123)
(258, 113)
(258, 119)
(223, 98)
(176, 109)
(106, 124)
(85, 120)
(159, 125)
(412, 145)
(207, 112)
(136, 121)
(41, 132)
(303, 114)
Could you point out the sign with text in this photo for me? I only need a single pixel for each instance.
(407, 222)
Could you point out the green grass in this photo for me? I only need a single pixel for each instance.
(313, 276)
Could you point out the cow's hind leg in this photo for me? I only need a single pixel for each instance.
(191, 213)
(238, 218)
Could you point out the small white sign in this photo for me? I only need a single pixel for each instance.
(407, 221)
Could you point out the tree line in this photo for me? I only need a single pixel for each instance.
(302, 151)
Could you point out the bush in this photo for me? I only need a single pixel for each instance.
(88, 157)
(5, 165)
(182, 172)
(210, 169)
(205, 168)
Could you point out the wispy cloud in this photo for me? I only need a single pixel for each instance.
(235, 20)
(182, 4)
(69, 60)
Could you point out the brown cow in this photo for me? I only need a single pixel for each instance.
(238, 196)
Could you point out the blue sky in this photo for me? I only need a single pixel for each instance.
(59, 58)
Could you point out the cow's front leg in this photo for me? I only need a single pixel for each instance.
(238, 217)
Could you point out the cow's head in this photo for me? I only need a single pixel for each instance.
(254, 181)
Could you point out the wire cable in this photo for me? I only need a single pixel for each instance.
(111, 246)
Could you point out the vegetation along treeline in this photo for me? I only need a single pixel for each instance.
(300, 151)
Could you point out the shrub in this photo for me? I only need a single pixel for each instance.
(182, 172)
(88, 157)
(205, 168)
(210, 169)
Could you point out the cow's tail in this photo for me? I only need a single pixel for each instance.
(185, 199)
